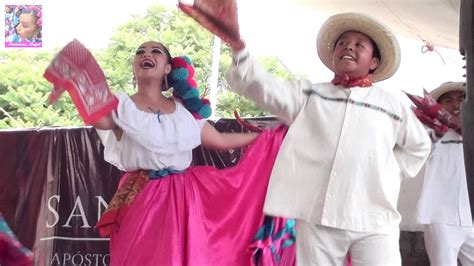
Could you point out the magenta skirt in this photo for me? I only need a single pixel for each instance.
(205, 216)
(12, 252)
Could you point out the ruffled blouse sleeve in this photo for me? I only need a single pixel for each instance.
(162, 133)
(151, 140)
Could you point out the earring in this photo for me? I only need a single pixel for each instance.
(134, 81)
(166, 82)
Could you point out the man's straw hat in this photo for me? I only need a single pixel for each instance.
(386, 42)
(447, 87)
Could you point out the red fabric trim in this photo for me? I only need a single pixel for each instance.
(110, 221)
(89, 118)
(347, 82)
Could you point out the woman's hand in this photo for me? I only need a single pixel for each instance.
(219, 17)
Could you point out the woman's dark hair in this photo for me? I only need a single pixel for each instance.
(185, 88)
(36, 12)
(169, 58)
(168, 54)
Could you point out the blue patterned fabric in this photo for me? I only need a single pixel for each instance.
(157, 174)
(278, 235)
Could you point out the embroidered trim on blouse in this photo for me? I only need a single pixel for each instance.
(356, 103)
(451, 142)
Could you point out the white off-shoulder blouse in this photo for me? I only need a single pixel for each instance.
(151, 141)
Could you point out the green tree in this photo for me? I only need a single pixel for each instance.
(24, 91)
(179, 33)
(228, 101)
(182, 36)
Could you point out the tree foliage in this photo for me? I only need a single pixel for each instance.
(24, 91)
(228, 102)
(181, 35)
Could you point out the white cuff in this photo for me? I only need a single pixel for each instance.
(240, 56)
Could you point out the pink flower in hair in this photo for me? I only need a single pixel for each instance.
(192, 82)
(177, 62)
(37, 11)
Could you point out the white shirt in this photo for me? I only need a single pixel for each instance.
(342, 160)
(151, 141)
(444, 197)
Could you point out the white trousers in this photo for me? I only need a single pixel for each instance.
(446, 243)
(321, 245)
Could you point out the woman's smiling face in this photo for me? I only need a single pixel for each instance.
(151, 60)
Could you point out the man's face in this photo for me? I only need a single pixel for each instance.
(451, 101)
(353, 55)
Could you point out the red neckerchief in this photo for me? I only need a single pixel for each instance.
(347, 82)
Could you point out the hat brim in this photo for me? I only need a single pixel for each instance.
(386, 42)
(447, 87)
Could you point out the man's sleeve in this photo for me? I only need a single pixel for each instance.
(413, 145)
(248, 78)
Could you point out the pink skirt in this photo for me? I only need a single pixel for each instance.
(12, 252)
(203, 216)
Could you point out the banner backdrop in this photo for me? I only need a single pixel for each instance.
(54, 185)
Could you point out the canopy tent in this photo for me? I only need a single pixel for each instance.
(433, 21)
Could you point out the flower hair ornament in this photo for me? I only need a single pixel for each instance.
(35, 10)
(185, 88)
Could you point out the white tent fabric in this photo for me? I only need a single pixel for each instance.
(433, 21)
